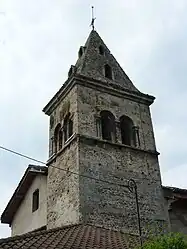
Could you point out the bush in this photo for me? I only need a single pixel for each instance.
(171, 241)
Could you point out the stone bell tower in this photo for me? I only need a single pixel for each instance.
(100, 126)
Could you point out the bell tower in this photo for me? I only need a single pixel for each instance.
(101, 127)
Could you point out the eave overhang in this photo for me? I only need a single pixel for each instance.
(20, 192)
(111, 88)
(174, 193)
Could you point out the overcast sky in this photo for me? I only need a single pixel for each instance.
(39, 40)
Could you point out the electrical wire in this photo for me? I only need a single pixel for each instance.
(129, 186)
(65, 170)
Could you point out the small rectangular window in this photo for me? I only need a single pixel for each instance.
(35, 200)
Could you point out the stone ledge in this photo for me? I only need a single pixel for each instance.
(113, 89)
(66, 145)
(95, 140)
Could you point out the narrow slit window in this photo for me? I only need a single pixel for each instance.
(101, 50)
(108, 72)
(35, 200)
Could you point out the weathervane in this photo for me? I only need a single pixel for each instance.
(93, 18)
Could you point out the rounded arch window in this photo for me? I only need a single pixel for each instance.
(57, 138)
(68, 127)
(127, 132)
(108, 127)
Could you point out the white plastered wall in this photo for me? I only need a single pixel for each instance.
(25, 220)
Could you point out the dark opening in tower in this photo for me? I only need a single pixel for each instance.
(108, 71)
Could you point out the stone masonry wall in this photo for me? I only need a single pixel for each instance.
(68, 104)
(114, 206)
(92, 101)
(62, 187)
(111, 205)
(72, 199)
(178, 216)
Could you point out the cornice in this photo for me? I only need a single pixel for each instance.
(93, 141)
(110, 88)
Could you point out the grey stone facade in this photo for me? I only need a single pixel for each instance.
(178, 219)
(72, 198)
(176, 202)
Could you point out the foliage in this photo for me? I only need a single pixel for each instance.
(169, 241)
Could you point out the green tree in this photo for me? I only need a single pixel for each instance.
(169, 241)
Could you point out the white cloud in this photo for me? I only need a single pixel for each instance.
(174, 178)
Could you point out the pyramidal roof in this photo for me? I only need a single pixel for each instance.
(94, 56)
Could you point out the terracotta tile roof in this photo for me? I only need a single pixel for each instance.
(71, 237)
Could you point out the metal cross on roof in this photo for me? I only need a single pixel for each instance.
(93, 18)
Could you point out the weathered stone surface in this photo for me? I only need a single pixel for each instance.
(91, 63)
(63, 189)
(73, 199)
(92, 101)
(178, 219)
(176, 202)
(65, 105)
(97, 202)
(115, 206)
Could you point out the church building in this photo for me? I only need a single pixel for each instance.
(101, 186)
